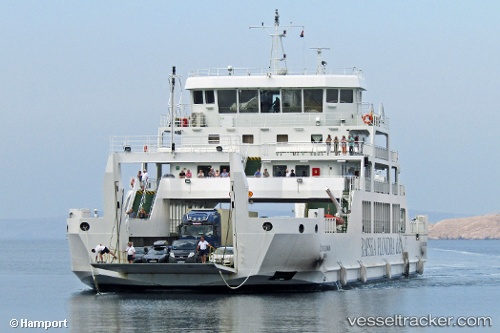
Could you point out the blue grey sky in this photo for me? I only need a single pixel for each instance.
(73, 73)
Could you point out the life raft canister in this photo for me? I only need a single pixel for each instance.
(367, 119)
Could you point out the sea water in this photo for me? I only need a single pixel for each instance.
(461, 279)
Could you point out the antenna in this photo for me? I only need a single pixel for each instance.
(172, 78)
(277, 35)
(321, 64)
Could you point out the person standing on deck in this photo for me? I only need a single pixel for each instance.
(351, 145)
(336, 146)
(328, 144)
(130, 252)
(343, 143)
(203, 249)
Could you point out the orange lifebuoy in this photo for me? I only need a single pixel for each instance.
(367, 119)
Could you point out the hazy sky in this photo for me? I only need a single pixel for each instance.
(74, 73)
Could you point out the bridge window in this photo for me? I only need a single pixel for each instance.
(313, 100)
(227, 101)
(270, 101)
(292, 100)
(198, 97)
(249, 101)
(209, 97)
(346, 96)
(332, 95)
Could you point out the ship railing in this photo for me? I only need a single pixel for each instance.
(155, 143)
(182, 115)
(232, 71)
(395, 188)
(368, 184)
(330, 225)
(381, 187)
(134, 143)
(298, 148)
(418, 224)
(184, 118)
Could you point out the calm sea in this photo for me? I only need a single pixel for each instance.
(462, 279)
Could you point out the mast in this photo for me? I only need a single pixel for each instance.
(172, 116)
(321, 64)
(278, 55)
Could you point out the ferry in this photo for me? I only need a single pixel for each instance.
(251, 141)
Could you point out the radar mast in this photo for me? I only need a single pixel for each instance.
(277, 63)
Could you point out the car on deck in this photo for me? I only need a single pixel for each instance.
(182, 250)
(159, 253)
(223, 256)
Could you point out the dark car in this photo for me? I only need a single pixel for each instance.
(159, 253)
(140, 252)
(183, 249)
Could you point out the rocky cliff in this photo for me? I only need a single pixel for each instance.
(478, 227)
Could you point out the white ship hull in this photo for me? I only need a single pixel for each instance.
(281, 259)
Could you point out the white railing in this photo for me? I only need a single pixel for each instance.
(330, 225)
(418, 225)
(264, 71)
(381, 187)
(134, 143)
(381, 153)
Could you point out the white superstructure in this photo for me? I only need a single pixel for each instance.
(350, 221)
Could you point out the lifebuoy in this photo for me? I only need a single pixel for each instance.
(145, 149)
(367, 119)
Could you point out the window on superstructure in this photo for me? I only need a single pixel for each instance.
(313, 100)
(247, 138)
(227, 101)
(346, 96)
(366, 217)
(213, 138)
(270, 101)
(279, 170)
(209, 97)
(316, 138)
(292, 100)
(282, 138)
(197, 97)
(302, 170)
(332, 95)
(249, 101)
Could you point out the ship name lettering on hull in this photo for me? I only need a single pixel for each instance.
(380, 246)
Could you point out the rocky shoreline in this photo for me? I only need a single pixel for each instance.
(477, 227)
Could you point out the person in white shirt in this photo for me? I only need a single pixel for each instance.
(130, 252)
(203, 249)
(100, 250)
(145, 178)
